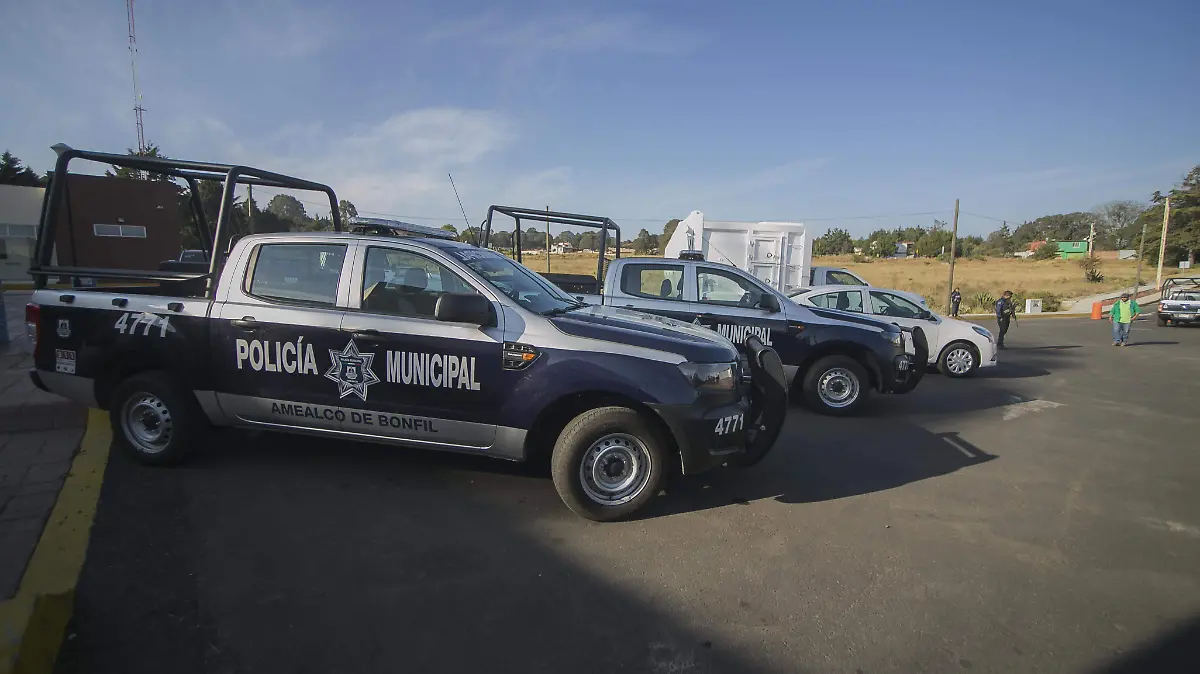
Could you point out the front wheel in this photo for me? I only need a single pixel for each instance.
(607, 463)
(153, 419)
(836, 385)
(958, 360)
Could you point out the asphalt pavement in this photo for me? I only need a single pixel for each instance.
(1043, 516)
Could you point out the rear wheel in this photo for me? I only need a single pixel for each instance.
(958, 360)
(836, 385)
(1162, 322)
(608, 463)
(153, 420)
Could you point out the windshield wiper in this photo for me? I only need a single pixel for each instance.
(558, 311)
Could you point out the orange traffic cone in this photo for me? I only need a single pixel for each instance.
(1097, 311)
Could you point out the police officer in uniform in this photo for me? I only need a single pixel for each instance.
(1005, 312)
(955, 300)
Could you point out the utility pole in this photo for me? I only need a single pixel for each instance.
(953, 241)
(1092, 238)
(1137, 279)
(547, 239)
(1162, 244)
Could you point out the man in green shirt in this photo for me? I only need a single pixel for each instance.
(1122, 315)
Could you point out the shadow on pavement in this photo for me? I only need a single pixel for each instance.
(285, 554)
(1175, 652)
(827, 462)
(1148, 344)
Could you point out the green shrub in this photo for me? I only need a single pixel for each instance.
(1091, 269)
(981, 302)
(1046, 251)
(862, 259)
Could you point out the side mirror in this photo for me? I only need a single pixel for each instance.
(470, 308)
(928, 315)
(768, 302)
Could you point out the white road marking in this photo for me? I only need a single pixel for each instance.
(953, 443)
(1173, 527)
(1022, 408)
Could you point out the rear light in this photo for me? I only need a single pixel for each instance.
(33, 314)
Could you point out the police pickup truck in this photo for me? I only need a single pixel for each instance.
(461, 350)
(832, 358)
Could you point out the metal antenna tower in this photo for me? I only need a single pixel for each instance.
(137, 95)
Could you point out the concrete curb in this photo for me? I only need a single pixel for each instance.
(33, 622)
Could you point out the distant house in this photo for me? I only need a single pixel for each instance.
(905, 249)
(561, 247)
(1069, 250)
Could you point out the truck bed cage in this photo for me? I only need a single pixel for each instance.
(1179, 284)
(559, 218)
(211, 240)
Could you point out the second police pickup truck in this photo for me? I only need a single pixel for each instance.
(420, 342)
(832, 359)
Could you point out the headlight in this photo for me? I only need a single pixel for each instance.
(896, 338)
(982, 331)
(710, 376)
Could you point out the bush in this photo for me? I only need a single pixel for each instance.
(1091, 269)
(1046, 251)
(1050, 301)
(862, 259)
(981, 302)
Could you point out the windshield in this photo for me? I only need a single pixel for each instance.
(529, 289)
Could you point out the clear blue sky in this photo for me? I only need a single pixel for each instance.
(638, 110)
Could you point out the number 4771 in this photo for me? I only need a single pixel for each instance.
(147, 321)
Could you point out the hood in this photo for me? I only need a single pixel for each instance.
(697, 344)
(852, 317)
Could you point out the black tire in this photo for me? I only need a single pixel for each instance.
(843, 369)
(619, 435)
(153, 419)
(1162, 322)
(948, 361)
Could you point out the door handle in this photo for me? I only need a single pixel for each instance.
(245, 323)
(367, 334)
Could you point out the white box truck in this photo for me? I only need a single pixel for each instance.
(778, 253)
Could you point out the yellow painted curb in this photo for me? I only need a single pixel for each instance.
(33, 622)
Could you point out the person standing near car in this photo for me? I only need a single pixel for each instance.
(955, 300)
(1004, 315)
(1122, 314)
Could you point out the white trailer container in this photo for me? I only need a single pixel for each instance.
(779, 253)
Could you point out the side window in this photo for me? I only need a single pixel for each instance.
(887, 304)
(846, 300)
(653, 281)
(841, 278)
(403, 283)
(722, 287)
(306, 273)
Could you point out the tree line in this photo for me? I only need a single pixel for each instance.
(1118, 224)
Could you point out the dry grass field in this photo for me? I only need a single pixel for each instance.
(979, 280)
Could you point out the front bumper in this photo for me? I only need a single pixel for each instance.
(902, 373)
(744, 428)
(707, 436)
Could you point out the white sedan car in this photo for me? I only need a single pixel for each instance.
(957, 347)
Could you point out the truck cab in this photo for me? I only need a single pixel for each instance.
(832, 359)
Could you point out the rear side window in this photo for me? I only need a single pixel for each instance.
(845, 300)
(841, 278)
(305, 273)
(653, 281)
